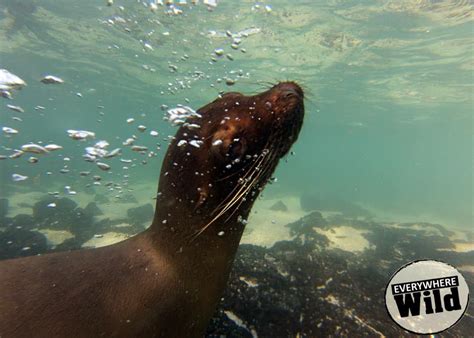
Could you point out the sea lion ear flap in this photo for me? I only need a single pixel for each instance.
(226, 142)
(222, 139)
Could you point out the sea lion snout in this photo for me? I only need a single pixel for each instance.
(284, 98)
(250, 124)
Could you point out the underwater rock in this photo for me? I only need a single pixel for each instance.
(99, 198)
(92, 209)
(140, 215)
(279, 206)
(83, 229)
(43, 210)
(311, 201)
(304, 287)
(63, 214)
(80, 223)
(20, 243)
(305, 225)
(3, 207)
(24, 221)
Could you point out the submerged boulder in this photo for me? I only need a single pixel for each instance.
(306, 287)
(305, 225)
(20, 243)
(63, 214)
(99, 198)
(92, 209)
(52, 207)
(24, 221)
(141, 214)
(279, 206)
(80, 221)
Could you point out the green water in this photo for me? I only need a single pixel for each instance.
(389, 104)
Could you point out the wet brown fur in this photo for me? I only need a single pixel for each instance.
(166, 281)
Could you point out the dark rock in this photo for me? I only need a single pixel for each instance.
(64, 205)
(279, 206)
(3, 207)
(306, 288)
(140, 215)
(99, 198)
(92, 209)
(104, 225)
(64, 216)
(305, 225)
(74, 243)
(24, 221)
(20, 243)
(81, 223)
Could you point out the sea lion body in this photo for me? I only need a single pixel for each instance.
(166, 281)
(128, 291)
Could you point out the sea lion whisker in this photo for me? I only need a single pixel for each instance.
(252, 167)
(229, 176)
(233, 196)
(242, 191)
(242, 199)
(240, 196)
(266, 167)
(248, 166)
(261, 171)
(223, 211)
(266, 84)
(247, 190)
(238, 187)
(196, 235)
(306, 89)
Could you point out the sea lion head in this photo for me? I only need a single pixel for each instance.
(250, 125)
(219, 162)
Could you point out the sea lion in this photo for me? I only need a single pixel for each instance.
(166, 281)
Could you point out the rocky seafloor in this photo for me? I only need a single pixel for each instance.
(328, 280)
(308, 287)
(59, 224)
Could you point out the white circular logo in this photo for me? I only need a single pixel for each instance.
(426, 297)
